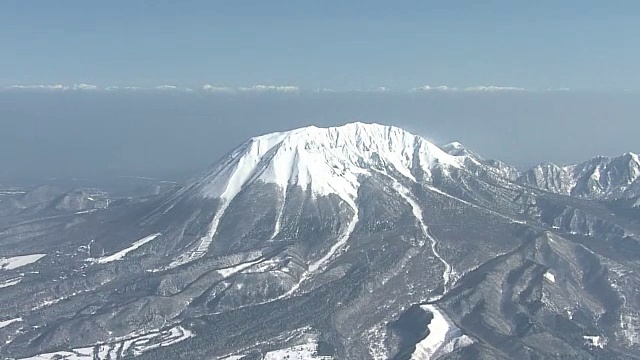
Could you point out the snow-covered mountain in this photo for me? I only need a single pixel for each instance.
(362, 241)
(319, 163)
(600, 177)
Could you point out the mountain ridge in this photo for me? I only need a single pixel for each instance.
(597, 177)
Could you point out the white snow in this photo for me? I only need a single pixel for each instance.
(417, 213)
(265, 266)
(135, 344)
(226, 272)
(595, 341)
(76, 354)
(299, 352)
(444, 337)
(15, 262)
(155, 340)
(376, 339)
(10, 282)
(338, 245)
(5, 323)
(510, 219)
(278, 225)
(635, 169)
(46, 303)
(454, 145)
(327, 160)
(86, 211)
(629, 326)
(122, 253)
(549, 276)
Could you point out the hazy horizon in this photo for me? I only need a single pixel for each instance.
(93, 134)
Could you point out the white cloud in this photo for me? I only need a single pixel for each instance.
(490, 88)
(323, 90)
(39, 87)
(493, 88)
(166, 87)
(213, 88)
(84, 87)
(126, 88)
(53, 87)
(434, 88)
(263, 88)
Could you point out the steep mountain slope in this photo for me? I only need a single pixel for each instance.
(355, 242)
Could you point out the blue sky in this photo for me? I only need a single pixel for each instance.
(342, 45)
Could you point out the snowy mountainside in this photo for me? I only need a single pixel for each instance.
(362, 241)
(325, 162)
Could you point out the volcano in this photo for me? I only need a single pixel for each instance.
(362, 241)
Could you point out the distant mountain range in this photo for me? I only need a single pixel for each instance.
(361, 241)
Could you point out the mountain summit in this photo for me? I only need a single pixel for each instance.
(325, 160)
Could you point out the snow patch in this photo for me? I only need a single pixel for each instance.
(376, 338)
(595, 341)
(86, 211)
(278, 225)
(549, 276)
(122, 253)
(5, 323)
(444, 337)
(264, 266)
(306, 351)
(226, 272)
(10, 282)
(15, 262)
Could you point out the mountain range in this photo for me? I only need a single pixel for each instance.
(362, 241)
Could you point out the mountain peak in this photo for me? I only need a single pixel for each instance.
(632, 157)
(453, 145)
(456, 148)
(326, 160)
(355, 133)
